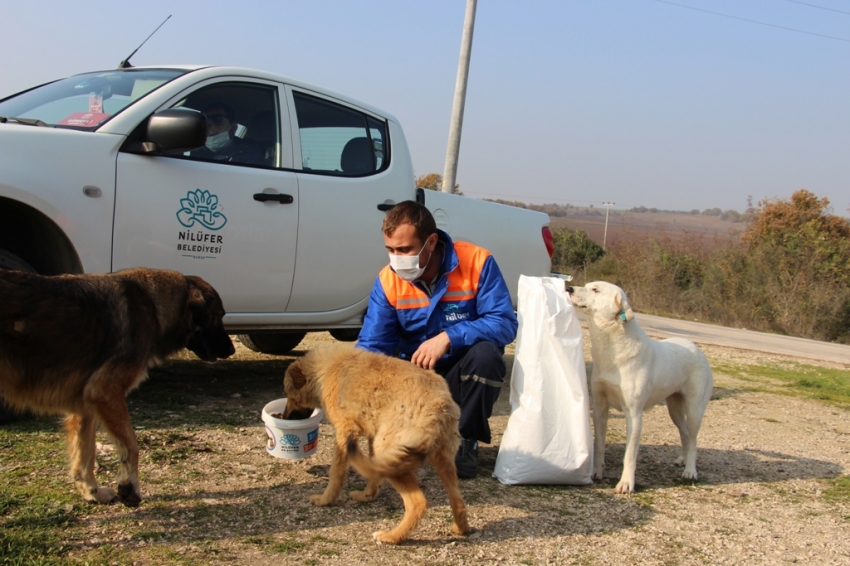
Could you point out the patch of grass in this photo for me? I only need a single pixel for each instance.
(30, 533)
(150, 554)
(37, 502)
(795, 379)
(287, 546)
(645, 498)
(840, 490)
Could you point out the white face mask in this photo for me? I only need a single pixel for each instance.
(218, 141)
(407, 266)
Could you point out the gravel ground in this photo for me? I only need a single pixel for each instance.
(766, 464)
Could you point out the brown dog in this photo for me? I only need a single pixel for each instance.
(406, 413)
(77, 344)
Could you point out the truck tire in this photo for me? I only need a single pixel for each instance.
(274, 343)
(11, 261)
(346, 334)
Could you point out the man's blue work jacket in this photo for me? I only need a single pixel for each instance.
(470, 301)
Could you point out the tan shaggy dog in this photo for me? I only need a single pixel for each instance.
(76, 344)
(406, 413)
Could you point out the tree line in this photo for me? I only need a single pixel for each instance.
(789, 273)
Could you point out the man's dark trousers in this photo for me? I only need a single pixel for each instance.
(475, 382)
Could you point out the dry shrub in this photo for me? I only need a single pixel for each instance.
(758, 287)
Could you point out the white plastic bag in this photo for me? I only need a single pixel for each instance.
(548, 439)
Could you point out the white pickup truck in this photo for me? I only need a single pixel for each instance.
(107, 170)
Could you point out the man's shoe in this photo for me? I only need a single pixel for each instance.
(466, 460)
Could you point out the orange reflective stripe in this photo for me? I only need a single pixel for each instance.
(401, 294)
(463, 281)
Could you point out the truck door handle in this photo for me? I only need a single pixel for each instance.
(383, 207)
(279, 197)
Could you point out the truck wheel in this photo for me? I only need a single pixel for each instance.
(346, 334)
(11, 261)
(274, 343)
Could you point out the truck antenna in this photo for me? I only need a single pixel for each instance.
(125, 64)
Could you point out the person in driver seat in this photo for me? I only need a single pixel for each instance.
(222, 142)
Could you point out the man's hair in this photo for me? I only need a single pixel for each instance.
(225, 109)
(413, 213)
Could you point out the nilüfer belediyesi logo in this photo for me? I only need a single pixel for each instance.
(201, 207)
(201, 212)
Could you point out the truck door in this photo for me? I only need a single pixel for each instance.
(348, 180)
(227, 212)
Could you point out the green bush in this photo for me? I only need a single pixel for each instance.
(574, 250)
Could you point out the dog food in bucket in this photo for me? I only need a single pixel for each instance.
(290, 439)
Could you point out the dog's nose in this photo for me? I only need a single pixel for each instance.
(570, 290)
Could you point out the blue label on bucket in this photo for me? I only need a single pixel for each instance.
(312, 440)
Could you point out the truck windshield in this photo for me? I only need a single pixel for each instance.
(84, 102)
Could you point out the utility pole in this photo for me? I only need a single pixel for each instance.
(453, 149)
(607, 206)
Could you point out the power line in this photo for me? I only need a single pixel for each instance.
(819, 7)
(755, 21)
(550, 200)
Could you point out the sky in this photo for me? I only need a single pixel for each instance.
(678, 105)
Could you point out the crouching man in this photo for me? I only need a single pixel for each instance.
(445, 306)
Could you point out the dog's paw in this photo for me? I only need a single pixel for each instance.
(362, 496)
(680, 461)
(689, 474)
(463, 529)
(625, 486)
(102, 495)
(319, 500)
(598, 474)
(385, 537)
(129, 495)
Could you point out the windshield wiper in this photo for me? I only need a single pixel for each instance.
(26, 121)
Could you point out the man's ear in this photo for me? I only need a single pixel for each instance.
(296, 374)
(434, 238)
(625, 313)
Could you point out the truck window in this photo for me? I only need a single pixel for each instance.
(339, 140)
(85, 102)
(243, 123)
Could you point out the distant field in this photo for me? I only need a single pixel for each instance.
(710, 229)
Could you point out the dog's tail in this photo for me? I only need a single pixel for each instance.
(397, 460)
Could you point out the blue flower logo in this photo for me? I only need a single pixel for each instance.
(201, 207)
(290, 439)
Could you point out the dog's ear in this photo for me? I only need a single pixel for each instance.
(296, 374)
(625, 313)
(197, 302)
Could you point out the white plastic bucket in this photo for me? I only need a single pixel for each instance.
(290, 439)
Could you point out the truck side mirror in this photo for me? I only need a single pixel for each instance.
(176, 130)
(173, 130)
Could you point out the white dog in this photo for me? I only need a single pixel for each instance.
(631, 373)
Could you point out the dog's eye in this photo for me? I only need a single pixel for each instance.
(594, 289)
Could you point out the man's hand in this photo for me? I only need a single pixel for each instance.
(431, 350)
